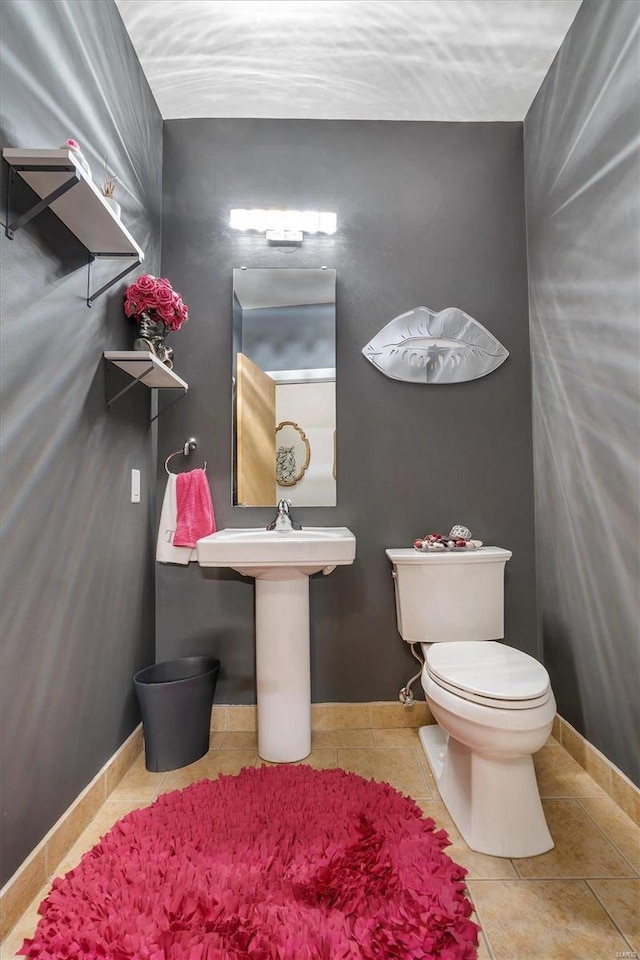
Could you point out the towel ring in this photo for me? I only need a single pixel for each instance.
(189, 445)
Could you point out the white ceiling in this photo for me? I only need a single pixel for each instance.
(259, 288)
(347, 59)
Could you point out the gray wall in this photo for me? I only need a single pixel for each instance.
(77, 576)
(428, 213)
(582, 178)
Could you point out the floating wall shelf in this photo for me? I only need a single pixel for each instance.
(62, 185)
(143, 367)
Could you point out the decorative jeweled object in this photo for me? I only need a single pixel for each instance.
(423, 346)
(151, 337)
(455, 540)
(459, 532)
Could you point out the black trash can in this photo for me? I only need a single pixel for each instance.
(175, 700)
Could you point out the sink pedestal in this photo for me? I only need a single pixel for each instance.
(281, 561)
(283, 669)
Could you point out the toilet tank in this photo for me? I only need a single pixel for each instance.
(449, 595)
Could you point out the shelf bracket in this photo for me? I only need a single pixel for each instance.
(128, 387)
(109, 403)
(41, 205)
(108, 256)
(182, 394)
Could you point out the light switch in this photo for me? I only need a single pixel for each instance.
(135, 486)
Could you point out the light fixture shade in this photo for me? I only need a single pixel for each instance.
(280, 221)
(275, 220)
(258, 220)
(327, 222)
(239, 220)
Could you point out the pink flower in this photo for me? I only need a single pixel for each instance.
(155, 296)
(167, 312)
(145, 284)
(73, 144)
(164, 294)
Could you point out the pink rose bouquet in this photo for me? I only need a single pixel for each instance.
(155, 297)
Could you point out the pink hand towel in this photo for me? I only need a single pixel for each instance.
(195, 509)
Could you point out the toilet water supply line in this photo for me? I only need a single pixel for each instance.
(405, 695)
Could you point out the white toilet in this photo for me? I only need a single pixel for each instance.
(493, 704)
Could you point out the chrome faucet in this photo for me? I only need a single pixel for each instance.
(283, 519)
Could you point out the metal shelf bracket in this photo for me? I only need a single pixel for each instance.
(110, 402)
(108, 256)
(128, 387)
(12, 227)
(182, 394)
(41, 205)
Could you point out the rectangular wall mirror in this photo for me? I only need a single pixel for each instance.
(284, 376)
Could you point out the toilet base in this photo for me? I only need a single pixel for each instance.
(494, 803)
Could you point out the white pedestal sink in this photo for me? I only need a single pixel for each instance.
(281, 562)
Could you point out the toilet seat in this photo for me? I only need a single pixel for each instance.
(488, 673)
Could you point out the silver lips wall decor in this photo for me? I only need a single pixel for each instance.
(422, 346)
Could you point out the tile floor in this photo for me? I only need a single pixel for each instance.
(580, 900)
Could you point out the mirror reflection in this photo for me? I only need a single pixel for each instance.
(284, 358)
(293, 452)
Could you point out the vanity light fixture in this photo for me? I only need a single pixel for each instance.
(284, 226)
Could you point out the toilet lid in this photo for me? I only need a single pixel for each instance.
(487, 669)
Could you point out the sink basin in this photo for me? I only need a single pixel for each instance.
(281, 562)
(278, 554)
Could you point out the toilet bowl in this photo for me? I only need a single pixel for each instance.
(480, 751)
(493, 704)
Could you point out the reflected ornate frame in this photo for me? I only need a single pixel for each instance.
(304, 439)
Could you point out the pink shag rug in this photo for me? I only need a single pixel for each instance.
(277, 863)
